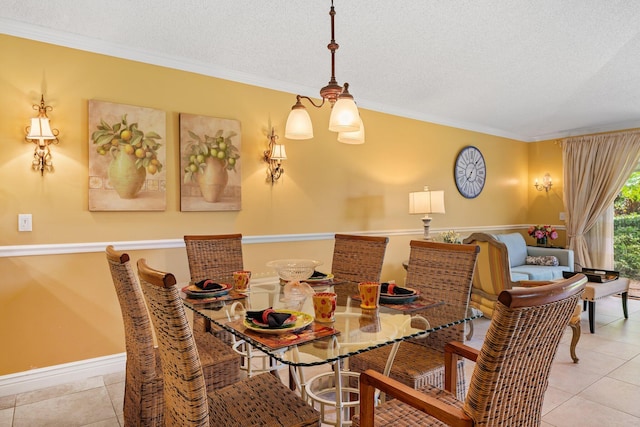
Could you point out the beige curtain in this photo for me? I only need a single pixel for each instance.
(595, 169)
(600, 241)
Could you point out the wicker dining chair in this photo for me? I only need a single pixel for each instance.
(439, 272)
(214, 257)
(255, 401)
(357, 259)
(511, 373)
(143, 394)
(217, 257)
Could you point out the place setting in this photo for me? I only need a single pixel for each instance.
(277, 328)
(209, 290)
(276, 322)
(390, 295)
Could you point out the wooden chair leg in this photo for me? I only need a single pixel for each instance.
(592, 316)
(624, 304)
(575, 337)
(470, 332)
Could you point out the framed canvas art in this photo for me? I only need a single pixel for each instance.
(127, 158)
(210, 164)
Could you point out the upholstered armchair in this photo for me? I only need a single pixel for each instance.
(493, 274)
(502, 265)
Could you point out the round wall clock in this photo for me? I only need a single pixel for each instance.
(470, 172)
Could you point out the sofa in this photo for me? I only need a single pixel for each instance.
(519, 251)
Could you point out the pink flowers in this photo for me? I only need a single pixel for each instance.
(543, 231)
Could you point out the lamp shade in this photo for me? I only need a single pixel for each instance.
(298, 124)
(426, 202)
(356, 137)
(344, 116)
(278, 152)
(40, 129)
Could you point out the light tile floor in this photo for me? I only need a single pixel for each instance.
(603, 389)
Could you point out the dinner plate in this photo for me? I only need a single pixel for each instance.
(399, 299)
(312, 280)
(192, 291)
(287, 323)
(302, 321)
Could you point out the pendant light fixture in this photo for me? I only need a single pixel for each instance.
(344, 119)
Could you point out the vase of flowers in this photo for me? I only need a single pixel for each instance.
(543, 233)
(450, 237)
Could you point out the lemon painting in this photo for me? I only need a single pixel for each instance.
(209, 163)
(126, 157)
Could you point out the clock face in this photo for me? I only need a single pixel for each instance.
(470, 172)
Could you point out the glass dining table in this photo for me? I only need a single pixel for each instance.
(311, 343)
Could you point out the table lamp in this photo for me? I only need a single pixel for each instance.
(426, 202)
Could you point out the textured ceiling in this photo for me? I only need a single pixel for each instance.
(523, 69)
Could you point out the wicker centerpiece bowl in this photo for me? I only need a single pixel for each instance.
(294, 269)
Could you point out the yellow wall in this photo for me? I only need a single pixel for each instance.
(62, 308)
(545, 207)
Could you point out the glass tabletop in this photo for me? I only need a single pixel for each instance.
(308, 342)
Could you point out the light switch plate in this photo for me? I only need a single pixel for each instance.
(24, 222)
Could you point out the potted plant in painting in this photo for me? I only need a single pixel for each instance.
(209, 160)
(133, 152)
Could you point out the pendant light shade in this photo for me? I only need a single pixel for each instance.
(356, 137)
(298, 123)
(344, 115)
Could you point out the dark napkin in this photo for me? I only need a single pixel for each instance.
(318, 275)
(393, 289)
(269, 316)
(208, 285)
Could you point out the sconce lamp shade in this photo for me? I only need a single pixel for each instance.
(40, 129)
(278, 152)
(426, 202)
(356, 137)
(344, 115)
(298, 123)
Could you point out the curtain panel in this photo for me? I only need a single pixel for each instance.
(595, 169)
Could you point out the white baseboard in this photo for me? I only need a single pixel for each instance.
(35, 379)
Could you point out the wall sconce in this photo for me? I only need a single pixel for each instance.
(273, 156)
(546, 183)
(41, 134)
(426, 202)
